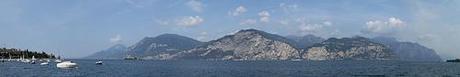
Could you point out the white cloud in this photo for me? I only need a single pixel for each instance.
(383, 28)
(190, 21)
(327, 23)
(238, 11)
(288, 8)
(116, 39)
(195, 5)
(264, 16)
(248, 22)
(305, 26)
(395, 22)
(310, 28)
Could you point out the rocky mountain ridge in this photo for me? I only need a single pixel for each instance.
(409, 51)
(251, 44)
(248, 44)
(355, 48)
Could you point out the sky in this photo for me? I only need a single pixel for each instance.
(77, 28)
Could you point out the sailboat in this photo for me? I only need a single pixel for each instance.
(24, 60)
(9, 58)
(33, 60)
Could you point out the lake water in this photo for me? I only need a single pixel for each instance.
(123, 68)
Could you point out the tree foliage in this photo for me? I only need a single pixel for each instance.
(18, 53)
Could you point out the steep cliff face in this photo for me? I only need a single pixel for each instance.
(247, 44)
(355, 48)
(162, 46)
(114, 52)
(408, 51)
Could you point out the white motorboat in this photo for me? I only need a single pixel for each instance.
(66, 64)
(99, 63)
(44, 63)
(58, 60)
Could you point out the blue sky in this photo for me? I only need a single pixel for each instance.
(76, 28)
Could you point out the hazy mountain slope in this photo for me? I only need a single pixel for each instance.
(355, 48)
(114, 52)
(162, 46)
(409, 51)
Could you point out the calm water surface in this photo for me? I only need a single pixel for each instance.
(123, 68)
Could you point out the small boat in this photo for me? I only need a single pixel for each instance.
(455, 60)
(129, 57)
(58, 60)
(44, 63)
(66, 64)
(22, 59)
(99, 63)
(32, 62)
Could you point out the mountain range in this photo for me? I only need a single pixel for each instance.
(115, 52)
(252, 44)
(248, 44)
(409, 51)
(355, 48)
(162, 46)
